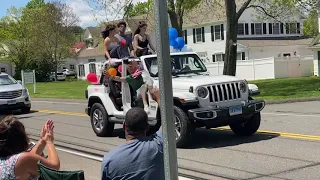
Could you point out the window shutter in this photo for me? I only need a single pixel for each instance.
(270, 28)
(252, 29)
(223, 57)
(203, 35)
(287, 28)
(194, 35)
(243, 56)
(247, 28)
(222, 32)
(298, 28)
(281, 28)
(185, 36)
(212, 33)
(213, 58)
(264, 28)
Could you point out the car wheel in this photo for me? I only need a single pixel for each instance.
(26, 110)
(247, 127)
(183, 127)
(100, 121)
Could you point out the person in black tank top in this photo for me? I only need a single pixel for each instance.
(141, 40)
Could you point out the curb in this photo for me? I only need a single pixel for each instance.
(287, 101)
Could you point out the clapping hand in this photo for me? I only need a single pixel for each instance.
(47, 132)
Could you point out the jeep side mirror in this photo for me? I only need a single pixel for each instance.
(253, 90)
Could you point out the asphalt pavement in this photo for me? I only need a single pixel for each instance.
(286, 146)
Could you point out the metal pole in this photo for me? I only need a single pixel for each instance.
(34, 82)
(22, 78)
(165, 80)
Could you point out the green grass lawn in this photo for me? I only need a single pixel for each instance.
(63, 90)
(274, 89)
(289, 88)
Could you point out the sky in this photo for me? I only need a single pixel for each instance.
(87, 14)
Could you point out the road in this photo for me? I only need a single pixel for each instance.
(286, 147)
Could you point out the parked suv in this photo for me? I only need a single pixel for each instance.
(13, 95)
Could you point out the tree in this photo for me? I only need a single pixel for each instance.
(311, 25)
(34, 4)
(140, 8)
(176, 9)
(55, 30)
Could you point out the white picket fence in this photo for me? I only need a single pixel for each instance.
(268, 68)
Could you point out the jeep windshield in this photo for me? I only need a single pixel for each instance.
(181, 64)
(6, 80)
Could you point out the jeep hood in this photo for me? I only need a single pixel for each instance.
(184, 82)
(12, 87)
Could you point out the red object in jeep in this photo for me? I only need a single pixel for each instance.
(92, 78)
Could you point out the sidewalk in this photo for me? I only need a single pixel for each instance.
(90, 167)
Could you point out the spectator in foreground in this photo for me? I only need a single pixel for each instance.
(141, 157)
(15, 161)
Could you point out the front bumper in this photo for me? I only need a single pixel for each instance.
(15, 104)
(215, 116)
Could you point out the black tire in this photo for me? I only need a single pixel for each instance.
(248, 127)
(107, 127)
(26, 109)
(186, 128)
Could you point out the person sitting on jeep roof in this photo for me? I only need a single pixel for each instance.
(134, 79)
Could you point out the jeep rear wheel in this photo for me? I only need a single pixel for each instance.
(248, 127)
(100, 121)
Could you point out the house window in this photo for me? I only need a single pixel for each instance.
(81, 70)
(241, 56)
(217, 32)
(293, 28)
(199, 35)
(91, 60)
(71, 66)
(276, 28)
(3, 70)
(258, 28)
(241, 29)
(92, 68)
(218, 57)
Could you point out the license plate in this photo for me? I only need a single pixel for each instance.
(235, 110)
(11, 102)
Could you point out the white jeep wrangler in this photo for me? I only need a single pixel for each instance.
(200, 100)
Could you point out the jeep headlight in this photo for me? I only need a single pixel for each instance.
(202, 92)
(243, 87)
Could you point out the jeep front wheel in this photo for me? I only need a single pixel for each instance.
(183, 127)
(248, 127)
(100, 121)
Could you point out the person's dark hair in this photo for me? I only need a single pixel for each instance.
(141, 24)
(136, 121)
(13, 137)
(106, 32)
(122, 23)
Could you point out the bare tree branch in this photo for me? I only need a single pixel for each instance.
(242, 9)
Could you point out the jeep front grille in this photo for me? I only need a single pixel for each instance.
(10, 94)
(224, 92)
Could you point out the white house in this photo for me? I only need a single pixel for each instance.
(205, 31)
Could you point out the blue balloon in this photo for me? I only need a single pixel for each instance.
(180, 42)
(173, 33)
(174, 44)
